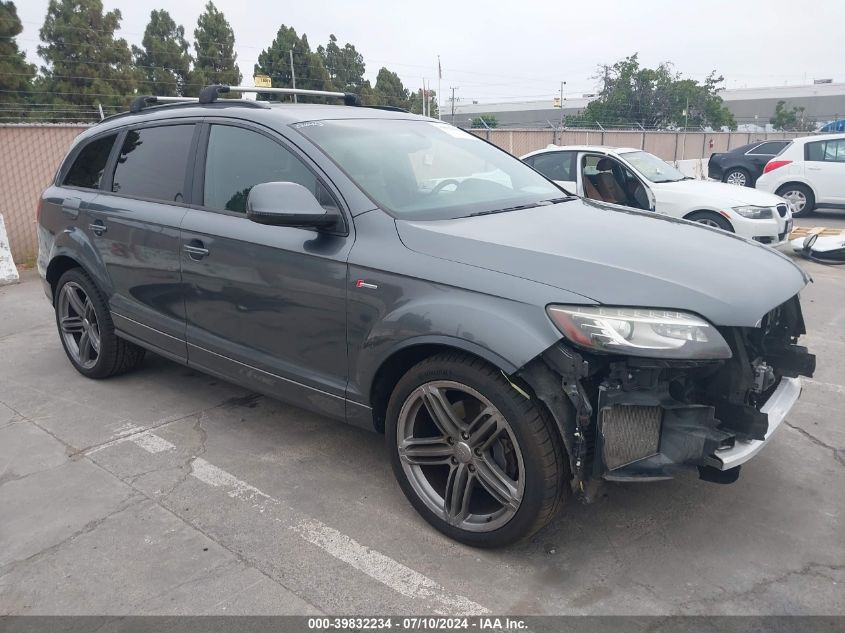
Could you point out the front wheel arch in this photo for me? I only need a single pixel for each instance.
(700, 215)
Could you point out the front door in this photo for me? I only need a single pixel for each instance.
(265, 305)
(825, 169)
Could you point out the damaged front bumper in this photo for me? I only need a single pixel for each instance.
(636, 419)
(777, 407)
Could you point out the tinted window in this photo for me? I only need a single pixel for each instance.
(239, 159)
(555, 165)
(772, 148)
(152, 163)
(827, 151)
(87, 170)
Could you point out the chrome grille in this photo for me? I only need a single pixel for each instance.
(629, 433)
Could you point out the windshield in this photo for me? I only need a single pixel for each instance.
(424, 170)
(653, 168)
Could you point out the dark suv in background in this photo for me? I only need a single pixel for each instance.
(512, 342)
(744, 165)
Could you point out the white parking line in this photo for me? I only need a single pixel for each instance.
(387, 571)
(391, 573)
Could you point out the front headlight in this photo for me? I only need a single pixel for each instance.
(654, 333)
(755, 213)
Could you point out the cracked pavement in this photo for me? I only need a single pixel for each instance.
(167, 491)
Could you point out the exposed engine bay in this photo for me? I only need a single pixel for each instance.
(640, 419)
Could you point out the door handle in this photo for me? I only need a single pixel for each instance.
(98, 227)
(71, 206)
(814, 168)
(195, 249)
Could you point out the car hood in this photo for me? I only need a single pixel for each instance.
(619, 257)
(721, 194)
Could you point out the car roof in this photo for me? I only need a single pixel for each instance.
(272, 114)
(605, 149)
(819, 137)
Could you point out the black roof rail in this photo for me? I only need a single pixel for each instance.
(389, 108)
(209, 94)
(146, 101)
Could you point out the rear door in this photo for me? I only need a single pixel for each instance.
(558, 166)
(265, 305)
(824, 167)
(135, 224)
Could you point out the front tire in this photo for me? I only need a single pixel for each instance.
(87, 331)
(709, 218)
(802, 198)
(738, 176)
(476, 458)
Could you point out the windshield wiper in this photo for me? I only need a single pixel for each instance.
(519, 207)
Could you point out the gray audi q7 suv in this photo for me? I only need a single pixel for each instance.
(514, 344)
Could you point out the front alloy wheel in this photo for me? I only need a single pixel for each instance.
(460, 456)
(479, 459)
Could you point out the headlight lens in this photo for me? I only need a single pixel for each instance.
(755, 213)
(654, 333)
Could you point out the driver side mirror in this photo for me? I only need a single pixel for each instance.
(286, 204)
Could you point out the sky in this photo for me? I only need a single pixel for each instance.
(521, 50)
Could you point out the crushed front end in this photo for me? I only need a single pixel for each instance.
(635, 418)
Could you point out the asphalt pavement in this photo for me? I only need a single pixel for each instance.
(167, 491)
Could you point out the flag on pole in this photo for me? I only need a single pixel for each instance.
(439, 69)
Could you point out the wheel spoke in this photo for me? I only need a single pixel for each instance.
(441, 412)
(74, 301)
(426, 451)
(458, 493)
(84, 348)
(71, 325)
(94, 338)
(88, 307)
(484, 430)
(501, 487)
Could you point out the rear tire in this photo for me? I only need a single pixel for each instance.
(86, 329)
(477, 459)
(738, 176)
(801, 196)
(709, 218)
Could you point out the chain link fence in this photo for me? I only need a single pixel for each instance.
(670, 146)
(28, 161)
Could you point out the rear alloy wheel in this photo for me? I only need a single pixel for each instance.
(479, 461)
(86, 329)
(738, 177)
(800, 196)
(709, 218)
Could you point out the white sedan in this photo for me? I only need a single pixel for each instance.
(634, 178)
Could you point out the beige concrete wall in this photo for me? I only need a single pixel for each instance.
(29, 157)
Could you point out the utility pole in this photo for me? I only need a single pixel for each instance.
(453, 88)
(292, 75)
(562, 84)
(686, 122)
(439, 78)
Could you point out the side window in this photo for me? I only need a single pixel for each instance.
(555, 165)
(828, 151)
(87, 170)
(153, 162)
(239, 159)
(814, 151)
(772, 148)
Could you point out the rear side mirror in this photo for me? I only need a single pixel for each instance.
(286, 204)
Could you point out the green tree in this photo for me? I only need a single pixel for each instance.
(214, 47)
(345, 66)
(164, 61)
(84, 63)
(390, 90)
(792, 120)
(656, 97)
(309, 70)
(485, 121)
(16, 73)
(415, 103)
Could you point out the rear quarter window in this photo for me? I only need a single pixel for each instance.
(88, 167)
(153, 162)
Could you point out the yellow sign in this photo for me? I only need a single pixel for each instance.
(556, 102)
(262, 81)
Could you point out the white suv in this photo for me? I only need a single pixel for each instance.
(634, 178)
(810, 173)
